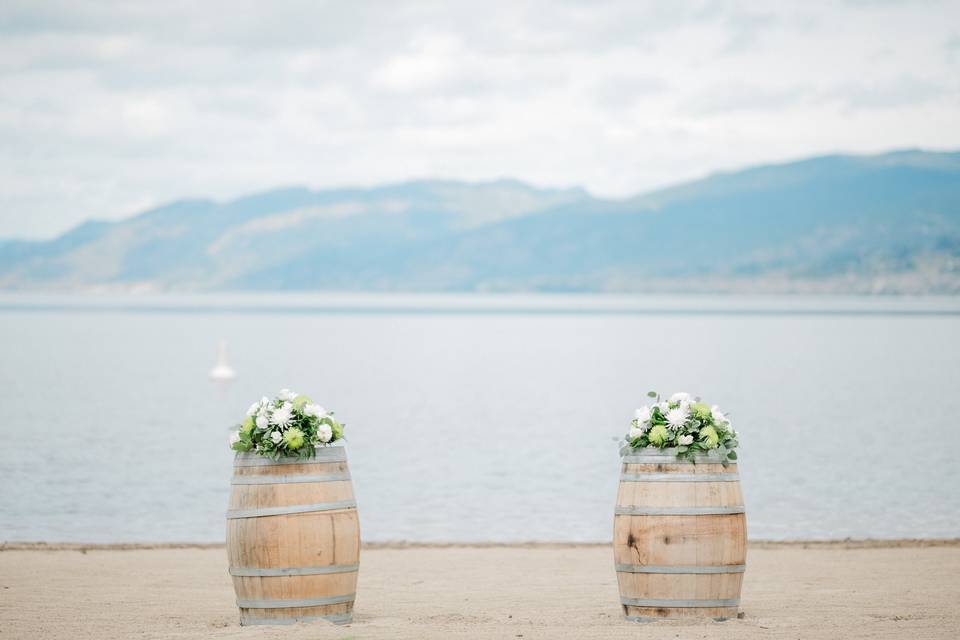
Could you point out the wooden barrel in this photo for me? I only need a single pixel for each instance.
(679, 536)
(293, 538)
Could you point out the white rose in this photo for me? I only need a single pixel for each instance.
(636, 432)
(276, 436)
(642, 414)
(664, 407)
(324, 432)
(234, 437)
(682, 397)
(314, 410)
(685, 440)
(287, 395)
(263, 422)
(718, 416)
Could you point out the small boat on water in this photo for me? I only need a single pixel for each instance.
(222, 371)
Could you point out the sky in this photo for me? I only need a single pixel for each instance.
(107, 109)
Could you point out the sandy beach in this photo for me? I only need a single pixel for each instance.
(791, 590)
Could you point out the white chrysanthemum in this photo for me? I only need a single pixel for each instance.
(676, 418)
(263, 422)
(685, 440)
(642, 414)
(636, 432)
(282, 415)
(234, 437)
(314, 410)
(324, 432)
(682, 397)
(276, 436)
(286, 395)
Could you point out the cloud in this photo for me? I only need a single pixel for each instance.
(906, 90)
(107, 107)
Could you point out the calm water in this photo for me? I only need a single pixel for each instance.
(477, 419)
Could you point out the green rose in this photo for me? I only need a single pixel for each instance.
(700, 411)
(708, 435)
(658, 435)
(247, 425)
(293, 438)
(301, 401)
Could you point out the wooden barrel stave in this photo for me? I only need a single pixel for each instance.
(297, 558)
(679, 565)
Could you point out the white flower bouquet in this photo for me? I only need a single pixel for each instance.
(684, 423)
(289, 425)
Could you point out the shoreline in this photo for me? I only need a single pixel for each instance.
(849, 543)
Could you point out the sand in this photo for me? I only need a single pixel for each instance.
(792, 591)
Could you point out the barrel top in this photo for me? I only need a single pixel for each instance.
(332, 453)
(652, 455)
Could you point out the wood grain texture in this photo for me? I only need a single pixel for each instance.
(679, 542)
(291, 541)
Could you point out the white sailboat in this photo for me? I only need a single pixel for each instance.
(222, 371)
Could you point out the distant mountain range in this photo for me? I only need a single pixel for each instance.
(884, 223)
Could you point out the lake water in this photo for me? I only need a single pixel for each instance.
(477, 418)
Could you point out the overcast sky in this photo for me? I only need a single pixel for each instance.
(107, 109)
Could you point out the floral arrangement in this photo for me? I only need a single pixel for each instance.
(289, 425)
(682, 422)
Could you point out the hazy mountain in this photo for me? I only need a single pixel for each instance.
(838, 223)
